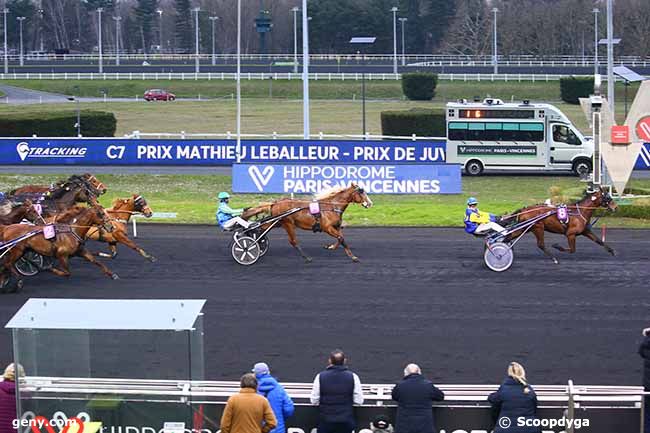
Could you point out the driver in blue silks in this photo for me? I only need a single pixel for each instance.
(477, 222)
(227, 217)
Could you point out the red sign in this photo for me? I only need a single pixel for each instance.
(620, 134)
(643, 129)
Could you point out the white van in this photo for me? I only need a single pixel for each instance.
(495, 135)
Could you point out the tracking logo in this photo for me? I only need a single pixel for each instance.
(262, 177)
(25, 151)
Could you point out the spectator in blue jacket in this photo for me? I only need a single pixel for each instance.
(415, 396)
(278, 398)
(514, 399)
(644, 351)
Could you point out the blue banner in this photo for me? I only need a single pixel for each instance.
(375, 179)
(121, 151)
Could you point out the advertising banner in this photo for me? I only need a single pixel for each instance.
(375, 179)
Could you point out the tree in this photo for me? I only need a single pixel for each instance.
(145, 13)
(183, 26)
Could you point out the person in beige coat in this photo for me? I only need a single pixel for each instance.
(248, 412)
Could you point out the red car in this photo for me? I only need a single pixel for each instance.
(158, 95)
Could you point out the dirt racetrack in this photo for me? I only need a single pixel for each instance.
(420, 295)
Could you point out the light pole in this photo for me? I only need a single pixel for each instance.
(363, 41)
(22, 59)
(117, 40)
(99, 36)
(197, 66)
(40, 29)
(160, 29)
(238, 81)
(5, 11)
(295, 38)
(596, 11)
(305, 71)
(403, 21)
(214, 56)
(394, 11)
(610, 57)
(495, 59)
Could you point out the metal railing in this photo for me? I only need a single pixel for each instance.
(316, 76)
(275, 136)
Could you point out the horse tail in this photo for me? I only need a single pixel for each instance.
(260, 209)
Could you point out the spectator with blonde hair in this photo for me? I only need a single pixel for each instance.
(514, 399)
(8, 398)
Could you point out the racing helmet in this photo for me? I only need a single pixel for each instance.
(472, 201)
(223, 195)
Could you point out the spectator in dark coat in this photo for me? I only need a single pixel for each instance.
(8, 398)
(514, 399)
(336, 390)
(278, 398)
(415, 395)
(644, 351)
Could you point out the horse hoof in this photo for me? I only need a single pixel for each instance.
(612, 252)
(556, 261)
(152, 259)
(557, 247)
(355, 259)
(19, 286)
(308, 259)
(115, 277)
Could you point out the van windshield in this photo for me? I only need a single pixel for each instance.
(564, 134)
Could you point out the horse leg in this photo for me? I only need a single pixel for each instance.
(571, 239)
(538, 231)
(336, 233)
(591, 235)
(333, 246)
(89, 256)
(122, 238)
(64, 265)
(291, 232)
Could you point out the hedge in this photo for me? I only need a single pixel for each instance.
(574, 88)
(419, 86)
(58, 124)
(418, 121)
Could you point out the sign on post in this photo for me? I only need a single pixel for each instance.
(643, 129)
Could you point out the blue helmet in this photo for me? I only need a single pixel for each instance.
(472, 201)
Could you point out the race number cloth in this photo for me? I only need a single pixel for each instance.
(563, 214)
(314, 208)
(49, 232)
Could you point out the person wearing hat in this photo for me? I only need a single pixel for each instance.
(415, 395)
(477, 222)
(278, 398)
(8, 398)
(644, 351)
(227, 217)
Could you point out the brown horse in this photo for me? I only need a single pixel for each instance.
(580, 214)
(120, 214)
(88, 178)
(15, 212)
(72, 227)
(333, 204)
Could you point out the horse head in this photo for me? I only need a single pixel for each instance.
(140, 205)
(601, 197)
(359, 195)
(95, 184)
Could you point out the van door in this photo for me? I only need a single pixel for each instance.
(565, 143)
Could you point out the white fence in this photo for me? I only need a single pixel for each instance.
(220, 76)
(275, 136)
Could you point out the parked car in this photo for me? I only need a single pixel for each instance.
(158, 95)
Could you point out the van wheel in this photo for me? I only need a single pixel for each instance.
(582, 167)
(474, 167)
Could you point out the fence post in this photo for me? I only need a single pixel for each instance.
(414, 137)
(570, 407)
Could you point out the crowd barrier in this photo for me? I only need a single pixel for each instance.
(147, 406)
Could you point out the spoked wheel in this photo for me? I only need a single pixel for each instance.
(264, 245)
(499, 256)
(245, 250)
(29, 264)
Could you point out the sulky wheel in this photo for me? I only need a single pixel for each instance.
(498, 257)
(29, 264)
(245, 250)
(264, 245)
